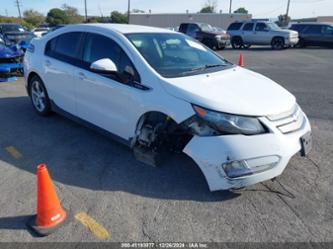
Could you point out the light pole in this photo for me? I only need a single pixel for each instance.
(288, 5)
(128, 11)
(230, 6)
(85, 9)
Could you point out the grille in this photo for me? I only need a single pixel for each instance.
(289, 121)
(18, 59)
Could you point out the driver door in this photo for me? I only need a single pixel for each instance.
(103, 100)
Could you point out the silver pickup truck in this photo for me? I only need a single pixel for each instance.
(245, 34)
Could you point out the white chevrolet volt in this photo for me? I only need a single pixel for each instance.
(160, 91)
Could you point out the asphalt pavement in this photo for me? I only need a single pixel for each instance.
(135, 202)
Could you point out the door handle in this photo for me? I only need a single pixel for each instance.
(82, 76)
(47, 63)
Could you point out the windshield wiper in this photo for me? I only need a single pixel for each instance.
(202, 68)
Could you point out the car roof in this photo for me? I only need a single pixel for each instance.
(126, 28)
(313, 23)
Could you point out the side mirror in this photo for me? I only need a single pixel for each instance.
(104, 66)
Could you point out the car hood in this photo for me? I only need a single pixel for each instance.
(6, 52)
(235, 90)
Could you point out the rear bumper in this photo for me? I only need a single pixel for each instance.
(210, 153)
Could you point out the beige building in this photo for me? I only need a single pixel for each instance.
(174, 20)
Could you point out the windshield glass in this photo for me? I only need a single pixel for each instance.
(12, 28)
(176, 55)
(273, 26)
(206, 27)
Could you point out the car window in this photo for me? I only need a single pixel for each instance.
(297, 27)
(65, 47)
(235, 26)
(68, 44)
(192, 29)
(248, 27)
(176, 55)
(98, 47)
(327, 30)
(314, 29)
(261, 26)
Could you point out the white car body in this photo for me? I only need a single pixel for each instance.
(38, 32)
(118, 108)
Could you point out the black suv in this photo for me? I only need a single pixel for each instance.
(206, 34)
(314, 34)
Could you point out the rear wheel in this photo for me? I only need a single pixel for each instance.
(277, 43)
(39, 97)
(237, 42)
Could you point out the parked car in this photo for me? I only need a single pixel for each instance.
(245, 34)
(11, 58)
(206, 34)
(314, 34)
(16, 34)
(160, 91)
(38, 32)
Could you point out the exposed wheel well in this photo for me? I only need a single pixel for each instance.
(275, 37)
(156, 135)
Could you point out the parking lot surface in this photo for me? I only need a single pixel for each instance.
(135, 202)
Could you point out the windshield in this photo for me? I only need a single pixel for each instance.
(206, 27)
(12, 28)
(273, 26)
(176, 55)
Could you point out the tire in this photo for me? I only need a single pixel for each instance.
(39, 97)
(277, 43)
(237, 42)
(300, 43)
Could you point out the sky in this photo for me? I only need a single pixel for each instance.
(258, 8)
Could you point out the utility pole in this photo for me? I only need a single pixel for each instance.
(288, 5)
(85, 9)
(128, 11)
(18, 5)
(230, 6)
(6, 11)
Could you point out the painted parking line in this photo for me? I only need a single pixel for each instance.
(97, 229)
(13, 152)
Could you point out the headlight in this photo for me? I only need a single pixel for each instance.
(218, 37)
(228, 123)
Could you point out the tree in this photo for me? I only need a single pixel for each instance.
(138, 11)
(33, 17)
(72, 14)
(241, 10)
(209, 7)
(118, 17)
(56, 16)
(283, 20)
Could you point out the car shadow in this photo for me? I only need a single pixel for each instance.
(78, 156)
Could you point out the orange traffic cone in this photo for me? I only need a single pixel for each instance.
(241, 60)
(50, 214)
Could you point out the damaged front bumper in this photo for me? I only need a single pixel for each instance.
(260, 157)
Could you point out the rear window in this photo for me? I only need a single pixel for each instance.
(235, 26)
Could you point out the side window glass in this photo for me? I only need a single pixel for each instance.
(50, 46)
(314, 30)
(261, 27)
(99, 47)
(192, 30)
(68, 44)
(248, 27)
(327, 30)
